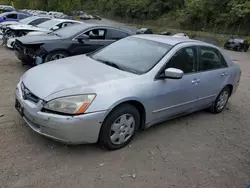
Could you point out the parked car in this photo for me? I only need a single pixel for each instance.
(85, 17)
(13, 16)
(166, 33)
(6, 8)
(15, 31)
(237, 45)
(144, 31)
(69, 41)
(54, 14)
(108, 95)
(97, 17)
(32, 20)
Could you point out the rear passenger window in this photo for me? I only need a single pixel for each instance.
(211, 59)
(12, 16)
(39, 21)
(116, 34)
(22, 16)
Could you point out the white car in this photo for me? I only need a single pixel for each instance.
(20, 30)
(54, 14)
(33, 20)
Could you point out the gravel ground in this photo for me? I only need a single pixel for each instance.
(197, 151)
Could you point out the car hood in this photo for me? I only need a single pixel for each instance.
(36, 39)
(27, 27)
(74, 72)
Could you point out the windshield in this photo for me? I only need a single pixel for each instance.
(71, 30)
(48, 24)
(27, 20)
(133, 54)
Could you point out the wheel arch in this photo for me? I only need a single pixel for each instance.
(230, 87)
(134, 102)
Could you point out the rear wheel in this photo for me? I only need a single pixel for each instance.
(56, 55)
(221, 101)
(119, 127)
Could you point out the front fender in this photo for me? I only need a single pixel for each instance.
(52, 47)
(117, 103)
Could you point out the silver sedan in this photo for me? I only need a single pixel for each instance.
(132, 84)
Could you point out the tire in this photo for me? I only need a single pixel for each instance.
(226, 47)
(52, 56)
(246, 49)
(113, 140)
(237, 49)
(216, 108)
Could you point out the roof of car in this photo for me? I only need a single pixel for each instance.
(169, 39)
(163, 38)
(66, 20)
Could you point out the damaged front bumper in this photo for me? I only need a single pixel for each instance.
(28, 55)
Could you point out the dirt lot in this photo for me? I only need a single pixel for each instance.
(197, 151)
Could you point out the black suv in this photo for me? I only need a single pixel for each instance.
(237, 45)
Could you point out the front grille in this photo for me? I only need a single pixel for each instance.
(18, 46)
(28, 95)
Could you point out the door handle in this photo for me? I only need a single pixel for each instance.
(224, 74)
(195, 81)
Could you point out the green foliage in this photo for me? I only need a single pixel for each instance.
(213, 15)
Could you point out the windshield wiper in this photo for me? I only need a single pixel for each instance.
(110, 64)
(114, 65)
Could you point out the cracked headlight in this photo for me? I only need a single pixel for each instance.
(73, 105)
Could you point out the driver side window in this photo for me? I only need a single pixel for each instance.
(185, 59)
(96, 34)
(12, 16)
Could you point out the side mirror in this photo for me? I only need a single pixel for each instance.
(55, 28)
(81, 38)
(173, 73)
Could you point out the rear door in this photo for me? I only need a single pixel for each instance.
(115, 34)
(97, 39)
(214, 74)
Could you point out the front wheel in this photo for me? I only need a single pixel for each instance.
(119, 127)
(221, 101)
(56, 55)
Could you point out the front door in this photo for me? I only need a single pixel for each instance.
(175, 97)
(97, 39)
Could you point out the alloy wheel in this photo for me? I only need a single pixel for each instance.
(57, 56)
(222, 101)
(122, 129)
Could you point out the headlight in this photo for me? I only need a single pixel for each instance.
(73, 105)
